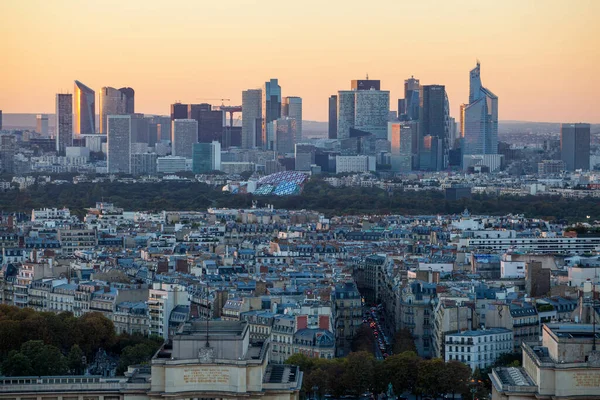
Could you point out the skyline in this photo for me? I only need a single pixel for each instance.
(541, 62)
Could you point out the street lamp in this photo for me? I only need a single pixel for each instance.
(474, 384)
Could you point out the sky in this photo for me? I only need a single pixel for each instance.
(540, 57)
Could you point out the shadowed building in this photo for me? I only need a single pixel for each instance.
(64, 122)
(129, 94)
(575, 146)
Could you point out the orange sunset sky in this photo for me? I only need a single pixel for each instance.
(541, 57)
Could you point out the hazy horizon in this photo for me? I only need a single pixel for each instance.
(539, 58)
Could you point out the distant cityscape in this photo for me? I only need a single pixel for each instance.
(266, 135)
(254, 301)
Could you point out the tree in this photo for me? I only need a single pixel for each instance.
(359, 370)
(45, 359)
(17, 364)
(363, 340)
(134, 355)
(305, 363)
(404, 341)
(455, 378)
(75, 360)
(97, 331)
(429, 377)
(401, 370)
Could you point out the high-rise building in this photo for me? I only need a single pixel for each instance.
(184, 134)
(143, 163)
(434, 122)
(365, 84)
(85, 109)
(118, 144)
(332, 129)
(206, 157)
(42, 124)
(575, 146)
(210, 122)
(480, 118)
(285, 129)
(412, 98)
(64, 122)
(291, 107)
(271, 110)
(404, 140)
(0, 120)
(179, 111)
(112, 102)
(129, 94)
(365, 110)
(251, 117)
(8, 147)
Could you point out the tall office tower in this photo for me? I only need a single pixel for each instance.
(85, 109)
(179, 111)
(434, 122)
(42, 124)
(480, 124)
(332, 129)
(291, 107)
(412, 98)
(345, 113)
(285, 130)
(184, 134)
(271, 110)
(575, 146)
(118, 144)
(206, 157)
(404, 142)
(363, 110)
(8, 147)
(129, 94)
(0, 120)
(210, 122)
(140, 128)
(365, 84)
(64, 122)
(251, 117)
(112, 102)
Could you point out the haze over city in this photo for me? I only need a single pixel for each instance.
(540, 58)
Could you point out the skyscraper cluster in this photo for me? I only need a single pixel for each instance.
(271, 121)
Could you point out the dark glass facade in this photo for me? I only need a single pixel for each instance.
(332, 131)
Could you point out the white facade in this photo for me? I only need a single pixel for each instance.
(184, 134)
(492, 161)
(552, 245)
(511, 269)
(119, 144)
(46, 214)
(162, 299)
(354, 164)
(480, 348)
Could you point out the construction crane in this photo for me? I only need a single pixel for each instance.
(222, 100)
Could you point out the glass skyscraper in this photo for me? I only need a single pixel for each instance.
(291, 107)
(271, 110)
(85, 109)
(112, 102)
(206, 157)
(363, 110)
(479, 118)
(434, 125)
